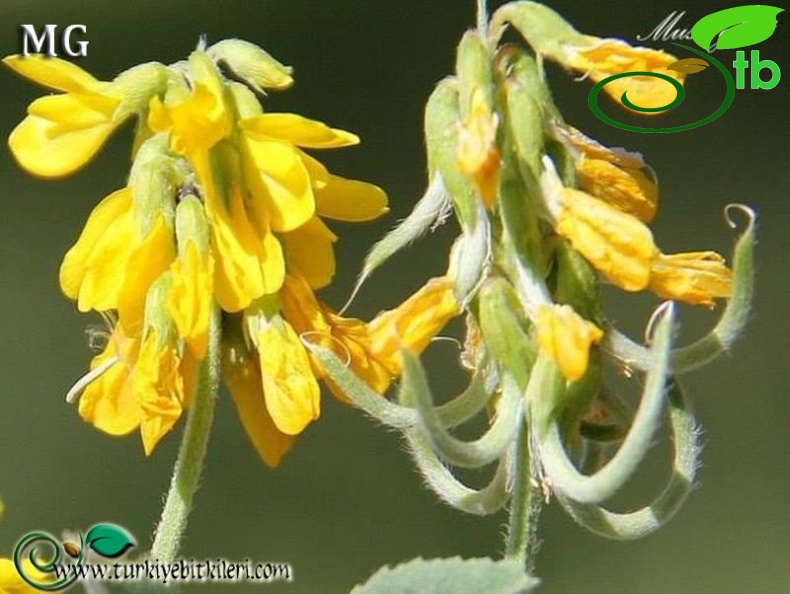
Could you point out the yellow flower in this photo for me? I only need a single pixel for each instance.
(256, 181)
(222, 203)
(111, 266)
(566, 337)
(139, 383)
(242, 374)
(695, 277)
(478, 155)
(348, 337)
(613, 175)
(628, 190)
(621, 248)
(600, 58)
(63, 132)
(273, 380)
(616, 243)
(414, 323)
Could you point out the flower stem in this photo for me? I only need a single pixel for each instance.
(482, 17)
(186, 473)
(521, 540)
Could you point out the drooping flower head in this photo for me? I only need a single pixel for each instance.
(224, 207)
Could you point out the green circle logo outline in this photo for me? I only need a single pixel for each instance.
(592, 99)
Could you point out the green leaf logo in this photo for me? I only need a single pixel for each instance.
(739, 26)
(109, 540)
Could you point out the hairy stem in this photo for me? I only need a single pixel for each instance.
(186, 473)
(521, 540)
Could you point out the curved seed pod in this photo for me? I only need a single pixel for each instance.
(644, 521)
(474, 454)
(567, 480)
(729, 327)
(449, 489)
(452, 413)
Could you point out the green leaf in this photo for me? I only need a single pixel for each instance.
(739, 26)
(109, 540)
(440, 576)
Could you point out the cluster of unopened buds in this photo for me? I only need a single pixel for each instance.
(205, 264)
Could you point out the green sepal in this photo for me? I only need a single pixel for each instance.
(577, 397)
(518, 200)
(525, 96)
(442, 117)
(473, 67)
(191, 225)
(428, 213)
(575, 282)
(247, 104)
(138, 85)
(153, 179)
(503, 329)
(157, 312)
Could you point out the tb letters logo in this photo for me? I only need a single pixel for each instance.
(732, 28)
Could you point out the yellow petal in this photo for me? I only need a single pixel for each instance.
(309, 253)
(237, 275)
(693, 277)
(298, 130)
(106, 265)
(244, 382)
(565, 337)
(588, 147)
(290, 389)
(349, 338)
(51, 150)
(147, 261)
(628, 190)
(52, 72)
(615, 243)
(190, 295)
(281, 180)
(301, 308)
(109, 403)
(350, 200)
(74, 111)
(478, 155)
(355, 338)
(100, 221)
(159, 390)
(413, 323)
(601, 58)
(195, 124)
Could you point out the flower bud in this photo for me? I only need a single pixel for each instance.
(252, 64)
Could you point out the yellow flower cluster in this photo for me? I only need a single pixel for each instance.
(224, 208)
(602, 205)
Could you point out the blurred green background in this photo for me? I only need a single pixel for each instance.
(348, 499)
